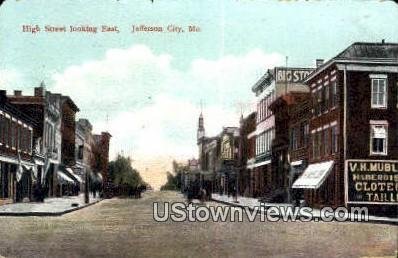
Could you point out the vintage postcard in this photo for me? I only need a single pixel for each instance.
(187, 128)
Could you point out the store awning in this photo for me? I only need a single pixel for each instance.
(63, 178)
(73, 174)
(314, 175)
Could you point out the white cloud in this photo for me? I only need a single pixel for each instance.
(153, 107)
(10, 80)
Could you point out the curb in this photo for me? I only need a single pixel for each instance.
(45, 214)
(315, 218)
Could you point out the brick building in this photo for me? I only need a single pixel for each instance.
(289, 148)
(268, 176)
(68, 131)
(246, 156)
(100, 161)
(17, 169)
(353, 128)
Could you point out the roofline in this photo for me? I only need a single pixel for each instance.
(71, 103)
(259, 81)
(332, 61)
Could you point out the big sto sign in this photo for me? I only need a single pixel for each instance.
(291, 75)
(371, 181)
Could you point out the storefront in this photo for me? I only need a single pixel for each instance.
(312, 181)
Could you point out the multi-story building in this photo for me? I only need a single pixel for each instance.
(68, 131)
(208, 157)
(227, 161)
(299, 117)
(353, 129)
(211, 151)
(100, 160)
(46, 108)
(273, 84)
(17, 168)
(289, 148)
(54, 146)
(246, 157)
(83, 155)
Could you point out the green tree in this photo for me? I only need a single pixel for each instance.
(122, 173)
(174, 179)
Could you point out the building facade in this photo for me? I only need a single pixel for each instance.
(289, 148)
(100, 161)
(353, 129)
(17, 169)
(269, 167)
(246, 156)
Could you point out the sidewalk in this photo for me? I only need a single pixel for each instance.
(253, 203)
(50, 206)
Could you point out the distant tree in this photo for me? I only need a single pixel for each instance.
(174, 179)
(122, 173)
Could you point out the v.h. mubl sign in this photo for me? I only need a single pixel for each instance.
(371, 181)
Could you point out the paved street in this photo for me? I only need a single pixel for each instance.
(125, 227)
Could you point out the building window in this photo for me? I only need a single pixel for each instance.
(313, 144)
(326, 141)
(306, 133)
(7, 137)
(379, 91)
(325, 98)
(334, 97)
(293, 137)
(378, 139)
(14, 134)
(318, 102)
(335, 139)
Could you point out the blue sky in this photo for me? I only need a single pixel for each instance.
(150, 85)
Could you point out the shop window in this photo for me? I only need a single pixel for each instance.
(379, 91)
(378, 139)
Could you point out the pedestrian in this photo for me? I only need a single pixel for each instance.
(190, 193)
(203, 195)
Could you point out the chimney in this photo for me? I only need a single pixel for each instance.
(318, 62)
(39, 91)
(17, 93)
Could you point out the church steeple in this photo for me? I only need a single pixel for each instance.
(201, 126)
